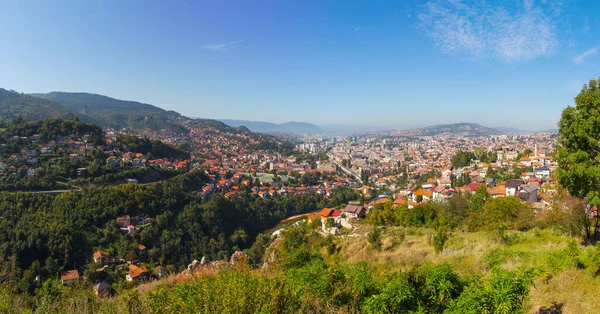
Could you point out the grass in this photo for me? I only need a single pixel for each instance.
(561, 282)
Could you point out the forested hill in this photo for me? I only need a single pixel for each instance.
(466, 129)
(117, 113)
(13, 104)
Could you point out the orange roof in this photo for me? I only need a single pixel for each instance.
(399, 201)
(135, 271)
(69, 275)
(499, 190)
(382, 201)
(326, 212)
(312, 217)
(419, 192)
(100, 253)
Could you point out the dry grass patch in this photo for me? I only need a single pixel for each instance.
(574, 290)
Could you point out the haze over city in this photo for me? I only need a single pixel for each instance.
(394, 63)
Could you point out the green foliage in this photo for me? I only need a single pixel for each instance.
(578, 153)
(155, 148)
(440, 237)
(374, 238)
(572, 254)
(579, 150)
(398, 295)
(309, 287)
(65, 229)
(315, 224)
(117, 113)
(239, 291)
(501, 212)
(57, 169)
(440, 286)
(13, 105)
(504, 292)
(343, 196)
(478, 199)
(462, 159)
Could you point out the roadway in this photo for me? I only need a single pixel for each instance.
(346, 170)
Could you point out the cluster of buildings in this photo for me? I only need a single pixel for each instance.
(39, 154)
(386, 158)
(133, 272)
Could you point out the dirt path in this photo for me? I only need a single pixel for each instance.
(268, 231)
(298, 216)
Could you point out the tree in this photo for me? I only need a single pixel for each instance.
(501, 212)
(462, 159)
(578, 152)
(374, 238)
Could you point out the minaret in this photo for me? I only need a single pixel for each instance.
(535, 150)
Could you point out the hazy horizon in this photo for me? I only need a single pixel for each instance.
(513, 64)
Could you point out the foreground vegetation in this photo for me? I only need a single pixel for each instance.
(478, 272)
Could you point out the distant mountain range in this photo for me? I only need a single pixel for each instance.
(136, 116)
(268, 127)
(100, 110)
(469, 129)
(515, 130)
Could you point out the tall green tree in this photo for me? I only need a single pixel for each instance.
(578, 153)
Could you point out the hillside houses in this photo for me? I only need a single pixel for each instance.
(69, 277)
(137, 273)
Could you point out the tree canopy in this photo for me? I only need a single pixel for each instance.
(578, 153)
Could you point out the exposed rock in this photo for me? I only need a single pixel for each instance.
(217, 264)
(195, 264)
(271, 254)
(204, 261)
(240, 258)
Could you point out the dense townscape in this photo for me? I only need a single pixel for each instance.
(114, 209)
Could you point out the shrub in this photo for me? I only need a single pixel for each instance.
(504, 292)
(398, 295)
(374, 238)
(572, 253)
(439, 238)
(441, 286)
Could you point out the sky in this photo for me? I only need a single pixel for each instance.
(397, 64)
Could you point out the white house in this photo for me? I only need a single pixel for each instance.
(512, 187)
(541, 172)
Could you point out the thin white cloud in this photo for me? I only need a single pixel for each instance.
(356, 29)
(491, 30)
(222, 46)
(580, 58)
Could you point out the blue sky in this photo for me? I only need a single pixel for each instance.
(390, 63)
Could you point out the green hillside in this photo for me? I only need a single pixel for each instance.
(117, 113)
(13, 104)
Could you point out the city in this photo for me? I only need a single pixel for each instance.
(329, 157)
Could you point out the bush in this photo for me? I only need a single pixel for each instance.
(397, 294)
(572, 253)
(441, 286)
(439, 239)
(504, 292)
(374, 238)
